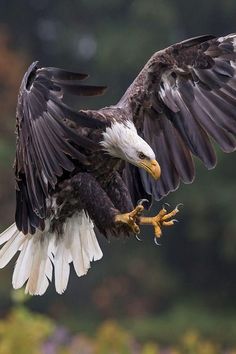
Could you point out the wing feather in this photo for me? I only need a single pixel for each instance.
(184, 97)
(46, 145)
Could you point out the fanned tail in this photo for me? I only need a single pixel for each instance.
(43, 250)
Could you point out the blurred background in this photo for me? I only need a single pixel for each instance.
(140, 298)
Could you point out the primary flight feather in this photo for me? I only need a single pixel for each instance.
(76, 169)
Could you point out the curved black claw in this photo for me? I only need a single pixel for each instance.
(155, 240)
(175, 220)
(167, 204)
(141, 201)
(137, 238)
(178, 205)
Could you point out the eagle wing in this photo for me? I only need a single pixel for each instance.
(184, 96)
(46, 146)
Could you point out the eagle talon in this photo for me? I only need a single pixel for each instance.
(163, 218)
(167, 204)
(141, 201)
(170, 223)
(139, 239)
(155, 241)
(130, 218)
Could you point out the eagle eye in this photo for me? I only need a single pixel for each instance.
(141, 156)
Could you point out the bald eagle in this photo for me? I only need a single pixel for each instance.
(78, 169)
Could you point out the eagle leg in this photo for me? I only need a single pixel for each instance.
(163, 218)
(130, 218)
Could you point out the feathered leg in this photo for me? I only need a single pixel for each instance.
(94, 200)
(119, 193)
(120, 196)
(113, 206)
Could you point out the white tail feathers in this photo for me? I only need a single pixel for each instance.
(39, 252)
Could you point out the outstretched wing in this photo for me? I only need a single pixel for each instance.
(46, 146)
(184, 96)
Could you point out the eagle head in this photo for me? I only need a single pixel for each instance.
(121, 140)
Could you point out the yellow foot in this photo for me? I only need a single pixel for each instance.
(130, 218)
(161, 219)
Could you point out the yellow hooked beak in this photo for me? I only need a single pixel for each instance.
(152, 167)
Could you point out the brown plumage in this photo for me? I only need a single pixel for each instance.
(76, 166)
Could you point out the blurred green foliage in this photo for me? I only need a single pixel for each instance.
(23, 331)
(180, 295)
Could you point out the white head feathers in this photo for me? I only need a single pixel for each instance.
(122, 140)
